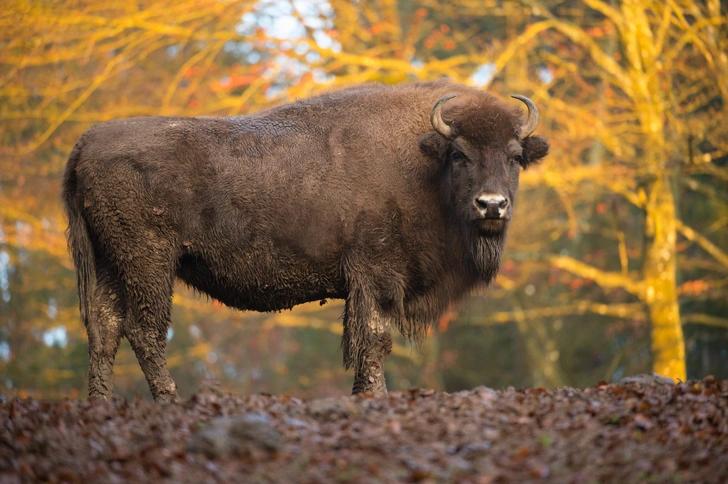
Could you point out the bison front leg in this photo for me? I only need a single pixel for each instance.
(369, 373)
(367, 341)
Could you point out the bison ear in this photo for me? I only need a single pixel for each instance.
(432, 145)
(534, 149)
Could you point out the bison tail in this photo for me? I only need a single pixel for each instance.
(79, 241)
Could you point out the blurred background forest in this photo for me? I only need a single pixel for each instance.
(617, 261)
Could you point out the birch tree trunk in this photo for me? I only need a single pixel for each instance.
(659, 268)
(660, 291)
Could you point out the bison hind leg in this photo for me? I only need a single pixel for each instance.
(106, 318)
(149, 283)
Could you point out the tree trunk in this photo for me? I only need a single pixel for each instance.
(542, 353)
(668, 348)
(659, 270)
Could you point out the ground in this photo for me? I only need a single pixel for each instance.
(639, 430)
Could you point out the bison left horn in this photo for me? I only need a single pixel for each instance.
(438, 123)
(530, 125)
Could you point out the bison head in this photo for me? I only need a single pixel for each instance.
(482, 145)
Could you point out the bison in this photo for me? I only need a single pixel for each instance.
(394, 198)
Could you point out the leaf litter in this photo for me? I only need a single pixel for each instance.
(639, 430)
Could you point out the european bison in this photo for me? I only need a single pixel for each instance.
(394, 198)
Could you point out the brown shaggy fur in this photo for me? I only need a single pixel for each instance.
(346, 195)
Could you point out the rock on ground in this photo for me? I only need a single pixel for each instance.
(238, 436)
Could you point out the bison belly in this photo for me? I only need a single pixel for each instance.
(260, 282)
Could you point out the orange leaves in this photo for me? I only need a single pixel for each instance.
(595, 32)
(377, 28)
(193, 71)
(694, 288)
(576, 283)
(445, 320)
(234, 81)
(438, 37)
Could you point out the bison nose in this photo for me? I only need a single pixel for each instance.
(492, 205)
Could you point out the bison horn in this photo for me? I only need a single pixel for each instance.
(530, 125)
(438, 123)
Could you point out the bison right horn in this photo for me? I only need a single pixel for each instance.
(530, 125)
(438, 123)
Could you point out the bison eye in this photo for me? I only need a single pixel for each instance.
(458, 156)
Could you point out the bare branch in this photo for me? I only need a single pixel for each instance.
(603, 278)
(517, 44)
(212, 47)
(577, 35)
(93, 86)
(608, 11)
(706, 320)
(703, 242)
(632, 310)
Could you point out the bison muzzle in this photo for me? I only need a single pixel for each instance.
(394, 198)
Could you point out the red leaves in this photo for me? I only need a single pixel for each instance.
(444, 322)
(449, 45)
(694, 288)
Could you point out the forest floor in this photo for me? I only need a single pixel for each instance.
(639, 430)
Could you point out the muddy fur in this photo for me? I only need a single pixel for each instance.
(348, 195)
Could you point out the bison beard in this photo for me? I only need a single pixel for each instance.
(486, 252)
(394, 198)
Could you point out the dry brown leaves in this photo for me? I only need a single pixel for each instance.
(631, 432)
